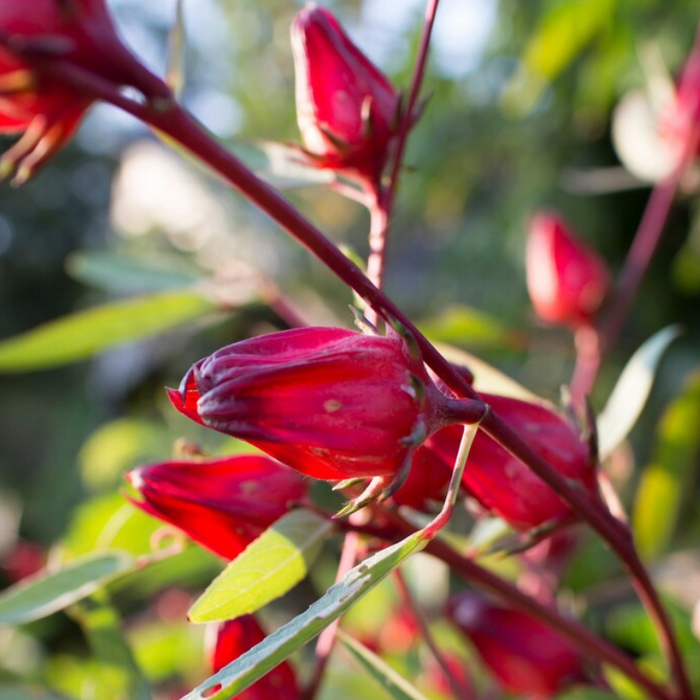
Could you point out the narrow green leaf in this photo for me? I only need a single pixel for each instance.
(254, 664)
(45, 594)
(102, 627)
(86, 333)
(670, 473)
(282, 165)
(563, 32)
(631, 392)
(128, 275)
(268, 568)
(464, 326)
(397, 686)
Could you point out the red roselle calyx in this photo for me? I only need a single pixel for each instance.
(524, 655)
(503, 484)
(329, 402)
(222, 504)
(346, 107)
(233, 638)
(567, 281)
(32, 36)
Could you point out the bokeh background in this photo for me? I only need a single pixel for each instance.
(519, 117)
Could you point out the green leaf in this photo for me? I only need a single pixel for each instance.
(254, 664)
(45, 594)
(670, 474)
(86, 333)
(464, 326)
(562, 34)
(630, 394)
(397, 686)
(128, 275)
(102, 627)
(269, 567)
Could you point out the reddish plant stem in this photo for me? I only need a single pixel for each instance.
(588, 358)
(382, 198)
(177, 124)
(378, 234)
(459, 690)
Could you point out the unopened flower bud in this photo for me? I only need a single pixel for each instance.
(567, 281)
(232, 639)
(329, 402)
(222, 504)
(346, 107)
(33, 102)
(524, 655)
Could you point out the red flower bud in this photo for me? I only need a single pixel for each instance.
(79, 32)
(346, 108)
(328, 402)
(567, 281)
(222, 504)
(231, 640)
(503, 484)
(524, 655)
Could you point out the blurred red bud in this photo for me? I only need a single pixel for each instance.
(328, 402)
(346, 108)
(523, 654)
(232, 639)
(567, 281)
(222, 504)
(32, 101)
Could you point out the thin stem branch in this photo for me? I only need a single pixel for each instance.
(588, 358)
(383, 199)
(378, 230)
(413, 95)
(458, 688)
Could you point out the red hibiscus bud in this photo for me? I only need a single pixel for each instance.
(328, 402)
(232, 639)
(32, 37)
(222, 504)
(346, 107)
(523, 654)
(567, 281)
(503, 484)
